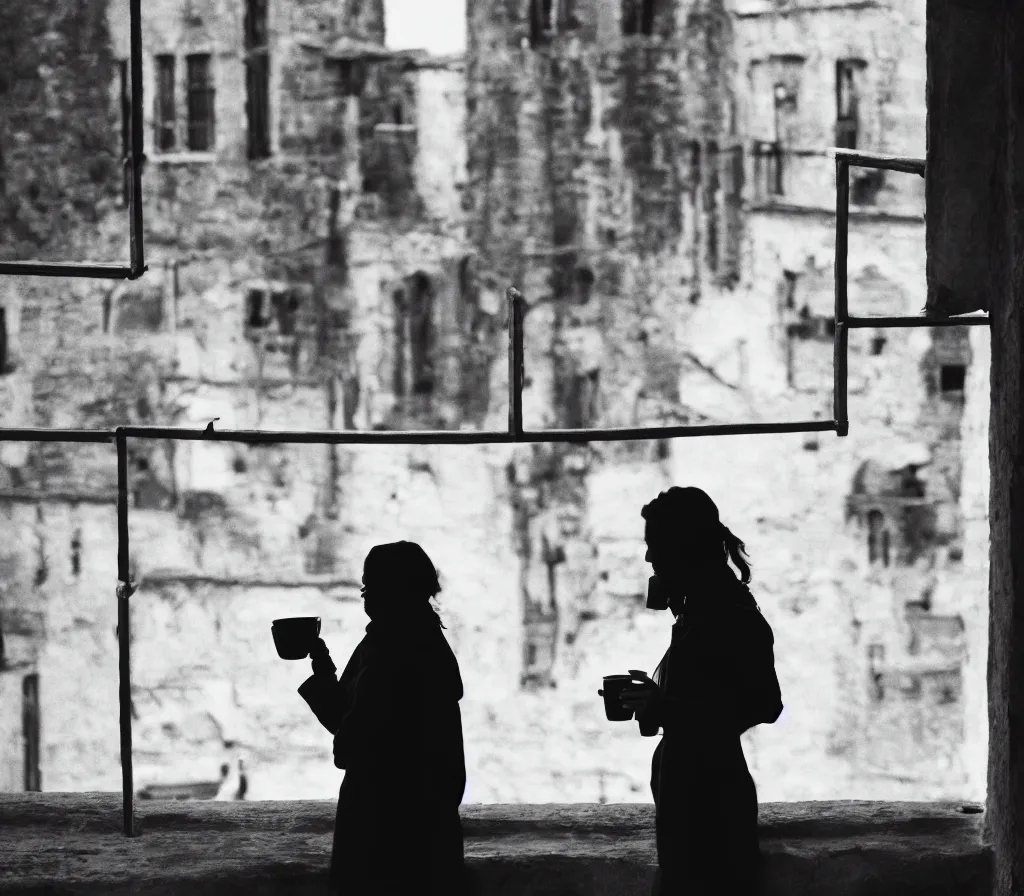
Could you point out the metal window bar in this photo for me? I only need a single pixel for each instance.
(846, 158)
(133, 164)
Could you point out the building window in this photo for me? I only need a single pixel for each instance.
(257, 78)
(166, 128)
(543, 21)
(952, 377)
(638, 16)
(878, 539)
(848, 93)
(548, 18)
(201, 136)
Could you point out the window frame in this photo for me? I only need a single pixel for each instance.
(845, 159)
(133, 164)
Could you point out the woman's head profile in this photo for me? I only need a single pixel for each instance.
(398, 578)
(685, 534)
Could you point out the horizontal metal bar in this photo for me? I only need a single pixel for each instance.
(917, 321)
(423, 437)
(68, 269)
(14, 434)
(879, 160)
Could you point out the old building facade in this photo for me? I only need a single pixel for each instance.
(331, 227)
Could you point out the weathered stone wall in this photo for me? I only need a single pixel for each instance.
(613, 204)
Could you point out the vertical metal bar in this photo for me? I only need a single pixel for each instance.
(124, 591)
(138, 255)
(515, 363)
(842, 332)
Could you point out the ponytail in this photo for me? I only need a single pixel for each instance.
(737, 551)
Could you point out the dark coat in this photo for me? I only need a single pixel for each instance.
(398, 735)
(718, 679)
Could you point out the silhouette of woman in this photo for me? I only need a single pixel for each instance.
(716, 680)
(397, 730)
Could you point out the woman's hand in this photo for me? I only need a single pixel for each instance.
(321, 657)
(640, 697)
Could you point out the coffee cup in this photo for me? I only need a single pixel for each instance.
(614, 685)
(295, 636)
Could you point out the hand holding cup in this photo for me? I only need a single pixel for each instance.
(640, 697)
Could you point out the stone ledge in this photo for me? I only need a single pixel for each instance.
(59, 844)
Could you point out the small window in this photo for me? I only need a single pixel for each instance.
(201, 135)
(76, 553)
(848, 96)
(543, 21)
(878, 539)
(638, 16)
(255, 24)
(952, 377)
(166, 124)
(254, 309)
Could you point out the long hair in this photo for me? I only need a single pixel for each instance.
(689, 515)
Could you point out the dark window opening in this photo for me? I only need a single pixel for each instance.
(543, 21)
(638, 16)
(166, 114)
(584, 285)
(531, 655)
(126, 128)
(239, 465)
(285, 304)
(351, 77)
(399, 310)
(108, 307)
(257, 103)
(878, 539)
(421, 334)
(254, 309)
(952, 377)
(255, 24)
(201, 136)
(396, 113)
(790, 278)
(848, 73)
(611, 238)
(878, 343)
(768, 169)
(76, 554)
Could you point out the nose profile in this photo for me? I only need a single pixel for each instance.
(647, 556)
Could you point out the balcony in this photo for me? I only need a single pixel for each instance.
(73, 843)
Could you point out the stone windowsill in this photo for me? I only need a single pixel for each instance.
(73, 844)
